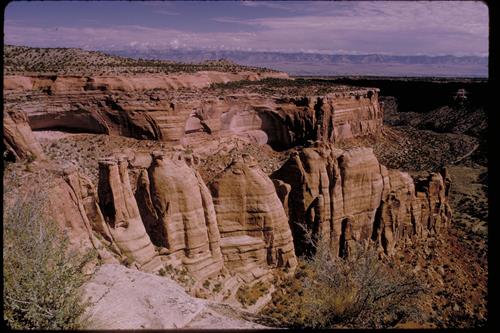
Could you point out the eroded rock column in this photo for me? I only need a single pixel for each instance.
(121, 212)
(255, 234)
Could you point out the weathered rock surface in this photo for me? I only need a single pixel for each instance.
(129, 299)
(121, 213)
(178, 212)
(347, 196)
(60, 84)
(147, 109)
(73, 205)
(18, 138)
(254, 229)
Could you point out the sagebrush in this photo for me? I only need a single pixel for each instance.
(42, 276)
(360, 291)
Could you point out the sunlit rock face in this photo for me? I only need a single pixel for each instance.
(121, 213)
(18, 138)
(347, 196)
(179, 214)
(255, 234)
(152, 107)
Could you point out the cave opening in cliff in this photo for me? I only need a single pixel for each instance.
(80, 123)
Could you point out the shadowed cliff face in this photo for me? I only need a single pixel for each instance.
(347, 196)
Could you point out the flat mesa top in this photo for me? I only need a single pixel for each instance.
(73, 61)
(288, 87)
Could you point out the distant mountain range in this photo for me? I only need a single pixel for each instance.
(314, 64)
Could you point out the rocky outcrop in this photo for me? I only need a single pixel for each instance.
(74, 206)
(153, 112)
(18, 140)
(347, 196)
(121, 298)
(254, 229)
(178, 212)
(55, 84)
(121, 213)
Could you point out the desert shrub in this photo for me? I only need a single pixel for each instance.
(248, 295)
(42, 277)
(328, 291)
(217, 287)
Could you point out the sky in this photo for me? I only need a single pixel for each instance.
(330, 27)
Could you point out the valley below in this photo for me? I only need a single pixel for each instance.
(216, 195)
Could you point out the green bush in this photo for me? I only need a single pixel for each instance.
(42, 277)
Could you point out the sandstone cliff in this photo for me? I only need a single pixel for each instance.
(178, 212)
(147, 109)
(255, 234)
(150, 210)
(347, 196)
(18, 139)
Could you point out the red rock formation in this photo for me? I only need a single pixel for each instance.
(179, 215)
(130, 110)
(137, 82)
(74, 206)
(254, 229)
(18, 139)
(348, 196)
(121, 213)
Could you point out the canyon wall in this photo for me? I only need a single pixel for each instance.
(152, 209)
(251, 219)
(347, 196)
(136, 107)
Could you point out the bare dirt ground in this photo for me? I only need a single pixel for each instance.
(84, 151)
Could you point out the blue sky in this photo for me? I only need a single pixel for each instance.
(354, 27)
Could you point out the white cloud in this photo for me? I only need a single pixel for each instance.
(167, 12)
(437, 27)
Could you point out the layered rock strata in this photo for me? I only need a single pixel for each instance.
(155, 209)
(55, 84)
(178, 213)
(346, 197)
(252, 222)
(74, 205)
(149, 111)
(121, 213)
